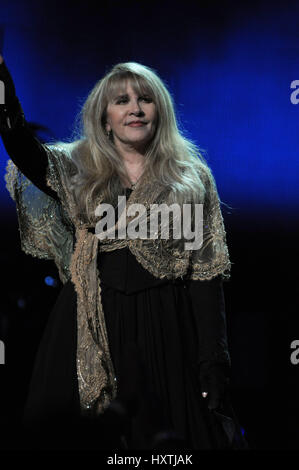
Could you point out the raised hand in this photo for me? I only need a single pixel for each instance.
(11, 112)
(6, 78)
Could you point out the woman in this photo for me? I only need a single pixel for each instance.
(141, 320)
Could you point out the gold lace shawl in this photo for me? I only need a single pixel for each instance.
(46, 230)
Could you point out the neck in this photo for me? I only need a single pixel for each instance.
(134, 173)
(133, 161)
(133, 155)
(134, 166)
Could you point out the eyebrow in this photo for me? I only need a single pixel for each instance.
(126, 96)
(120, 96)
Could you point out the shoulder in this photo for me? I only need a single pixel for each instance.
(62, 148)
(65, 154)
(206, 180)
(206, 175)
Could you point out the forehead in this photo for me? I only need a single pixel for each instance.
(127, 86)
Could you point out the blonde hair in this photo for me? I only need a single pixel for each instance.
(170, 157)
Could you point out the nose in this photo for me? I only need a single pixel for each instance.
(136, 108)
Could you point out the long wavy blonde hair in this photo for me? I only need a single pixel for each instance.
(170, 157)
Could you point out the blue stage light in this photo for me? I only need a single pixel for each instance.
(50, 281)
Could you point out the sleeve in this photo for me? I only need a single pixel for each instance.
(46, 230)
(25, 150)
(209, 267)
(212, 258)
(208, 305)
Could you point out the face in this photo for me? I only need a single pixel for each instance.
(126, 108)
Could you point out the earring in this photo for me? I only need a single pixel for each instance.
(109, 133)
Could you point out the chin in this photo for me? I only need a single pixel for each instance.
(141, 140)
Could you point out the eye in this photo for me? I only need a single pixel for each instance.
(146, 98)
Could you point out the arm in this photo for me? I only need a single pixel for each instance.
(209, 267)
(207, 299)
(24, 149)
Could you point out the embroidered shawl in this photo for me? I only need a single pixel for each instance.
(47, 229)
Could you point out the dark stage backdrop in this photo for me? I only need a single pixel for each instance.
(231, 69)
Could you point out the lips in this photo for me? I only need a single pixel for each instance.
(136, 124)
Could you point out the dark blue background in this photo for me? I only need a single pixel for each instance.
(229, 68)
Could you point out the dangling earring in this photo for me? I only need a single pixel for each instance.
(109, 133)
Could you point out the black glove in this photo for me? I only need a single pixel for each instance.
(213, 359)
(6, 78)
(214, 380)
(11, 112)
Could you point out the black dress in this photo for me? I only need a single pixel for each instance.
(154, 327)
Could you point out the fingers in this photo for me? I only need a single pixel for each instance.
(214, 380)
(204, 387)
(212, 392)
(6, 78)
(214, 398)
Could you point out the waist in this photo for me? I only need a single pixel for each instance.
(120, 269)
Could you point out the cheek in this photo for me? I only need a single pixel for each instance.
(119, 116)
(115, 116)
(154, 114)
(154, 119)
